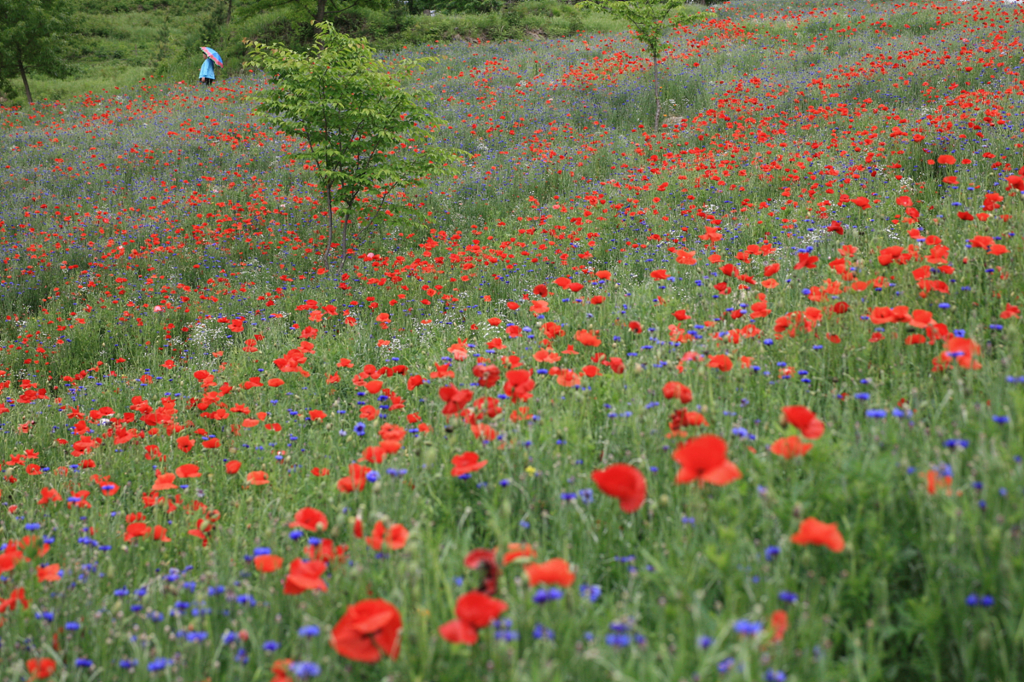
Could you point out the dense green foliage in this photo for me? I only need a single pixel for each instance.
(121, 44)
(32, 36)
(366, 136)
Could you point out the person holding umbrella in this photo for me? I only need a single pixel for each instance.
(206, 73)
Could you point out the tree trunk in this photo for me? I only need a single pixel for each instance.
(321, 10)
(344, 237)
(227, 19)
(24, 77)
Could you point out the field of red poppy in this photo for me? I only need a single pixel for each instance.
(736, 397)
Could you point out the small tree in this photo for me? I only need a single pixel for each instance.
(31, 39)
(647, 19)
(365, 134)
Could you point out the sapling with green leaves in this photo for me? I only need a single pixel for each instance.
(366, 136)
(648, 19)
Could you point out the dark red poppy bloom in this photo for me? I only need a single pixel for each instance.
(624, 483)
(484, 560)
(368, 630)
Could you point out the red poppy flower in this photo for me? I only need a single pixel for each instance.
(624, 483)
(455, 399)
(368, 629)
(675, 389)
(478, 610)
(257, 478)
(805, 420)
(326, 551)
(551, 572)
(518, 550)
(309, 519)
(459, 632)
(48, 495)
(305, 575)
(790, 447)
(187, 471)
(485, 560)
(163, 482)
(40, 668)
(48, 574)
(233, 466)
(394, 538)
(778, 623)
(281, 668)
(704, 459)
(815, 532)
(466, 463)
(720, 362)
(267, 563)
(135, 530)
(934, 482)
(356, 479)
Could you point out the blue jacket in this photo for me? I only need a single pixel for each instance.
(206, 71)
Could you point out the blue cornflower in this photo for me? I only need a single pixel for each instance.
(788, 597)
(309, 631)
(550, 594)
(747, 627)
(158, 664)
(541, 632)
(591, 592)
(303, 669)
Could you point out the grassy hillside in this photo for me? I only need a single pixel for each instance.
(115, 46)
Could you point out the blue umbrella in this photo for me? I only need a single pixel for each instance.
(212, 54)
